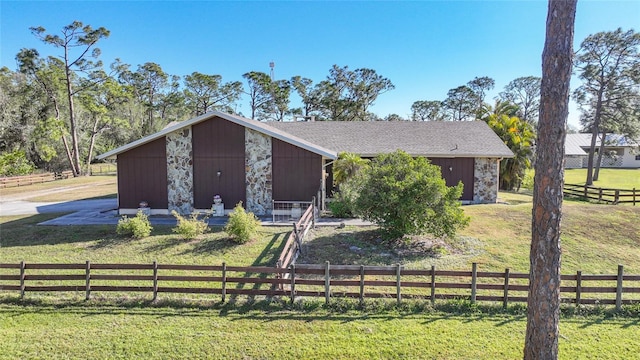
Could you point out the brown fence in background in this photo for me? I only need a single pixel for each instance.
(328, 281)
(15, 181)
(606, 195)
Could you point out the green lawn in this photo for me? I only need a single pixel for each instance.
(272, 331)
(609, 178)
(21, 239)
(595, 239)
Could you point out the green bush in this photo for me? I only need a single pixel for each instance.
(343, 203)
(15, 163)
(408, 196)
(190, 228)
(242, 226)
(527, 180)
(138, 227)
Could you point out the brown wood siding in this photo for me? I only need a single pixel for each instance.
(142, 176)
(218, 145)
(461, 170)
(296, 172)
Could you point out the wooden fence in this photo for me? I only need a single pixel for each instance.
(293, 244)
(15, 181)
(610, 196)
(354, 281)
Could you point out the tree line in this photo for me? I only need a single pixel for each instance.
(58, 111)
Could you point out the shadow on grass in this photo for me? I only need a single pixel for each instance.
(25, 232)
(309, 310)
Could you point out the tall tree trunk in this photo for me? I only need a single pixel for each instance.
(64, 138)
(594, 136)
(75, 152)
(596, 172)
(543, 305)
(92, 142)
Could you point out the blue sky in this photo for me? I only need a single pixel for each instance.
(424, 47)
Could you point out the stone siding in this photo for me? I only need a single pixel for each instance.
(485, 178)
(258, 172)
(180, 171)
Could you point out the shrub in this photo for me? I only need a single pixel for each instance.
(242, 226)
(15, 163)
(407, 196)
(137, 227)
(343, 203)
(191, 227)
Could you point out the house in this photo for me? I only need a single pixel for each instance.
(619, 152)
(183, 166)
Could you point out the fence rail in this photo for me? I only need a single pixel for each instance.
(328, 281)
(15, 181)
(293, 245)
(606, 195)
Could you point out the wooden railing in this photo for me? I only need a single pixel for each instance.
(607, 195)
(15, 181)
(293, 244)
(328, 281)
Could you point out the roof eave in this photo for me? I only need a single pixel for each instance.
(251, 124)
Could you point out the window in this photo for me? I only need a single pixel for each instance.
(637, 157)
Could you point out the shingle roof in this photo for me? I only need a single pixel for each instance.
(429, 138)
(248, 123)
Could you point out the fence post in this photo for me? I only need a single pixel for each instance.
(224, 282)
(398, 269)
(617, 198)
(292, 272)
(634, 196)
(505, 299)
(87, 285)
(578, 287)
(361, 284)
(474, 280)
(327, 283)
(22, 276)
(600, 195)
(297, 235)
(433, 284)
(155, 280)
(313, 212)
(619, 287)
(586, 193)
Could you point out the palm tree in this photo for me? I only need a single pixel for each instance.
(347, 165)
(518, 135)
(500, 108)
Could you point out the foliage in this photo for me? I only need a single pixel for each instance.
(342, 204)
(407, 196)
(242, 225)
(518, 135)
(346, 95)
(191, 227)
(524, 92)
(205, 93)
(427, 111)
(347, 166)
(15, 163)
(461, 103)
(608, 63)
(79, 59)
(138, 227)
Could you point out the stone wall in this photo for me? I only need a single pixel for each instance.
(180, 171)
(485, 177)
(258, 172)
